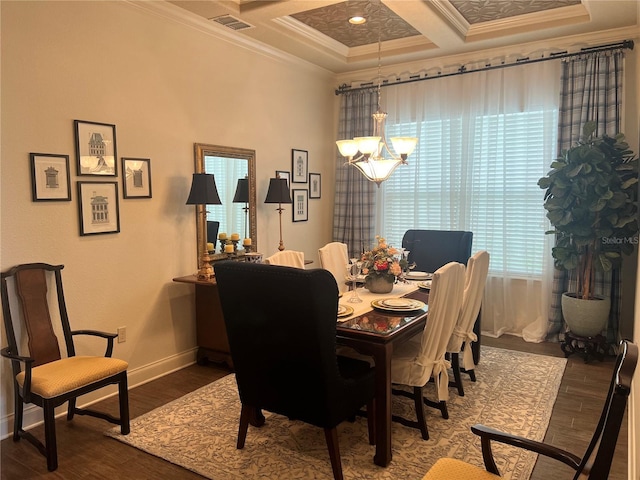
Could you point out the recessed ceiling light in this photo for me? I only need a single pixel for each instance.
(357, 20)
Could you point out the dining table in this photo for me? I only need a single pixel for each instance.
(376, 332)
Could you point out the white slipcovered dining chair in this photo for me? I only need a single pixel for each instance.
(463, 334)
(414, 363)
(334, 257)
(286, 258)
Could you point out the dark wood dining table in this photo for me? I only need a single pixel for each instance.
(376, 333)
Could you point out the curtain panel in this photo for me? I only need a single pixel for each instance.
(485, 138)
(591, 90)
(354, 206)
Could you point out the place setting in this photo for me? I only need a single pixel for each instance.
(344, 311)
(414, 275)
(398, 304)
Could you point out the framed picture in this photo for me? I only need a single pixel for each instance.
(98, 208)
(299, 166)
(96, 148)
(315, 185)
(300, 207)
(136, 174)
(50, 178)
(285, 175)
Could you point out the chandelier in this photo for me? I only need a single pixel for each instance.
(369, 154)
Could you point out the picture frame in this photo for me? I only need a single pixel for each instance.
(96, 150)
(286, 175)
(136, 177)
(98, 208)
(50, 177)
(315, 185)
(299, 165)
(300, 204)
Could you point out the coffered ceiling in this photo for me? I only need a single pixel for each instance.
(400, 31)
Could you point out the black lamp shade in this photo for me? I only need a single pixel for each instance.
(278, 191)
(242, 191)
(203, 190)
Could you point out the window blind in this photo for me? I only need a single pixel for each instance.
(479, 174)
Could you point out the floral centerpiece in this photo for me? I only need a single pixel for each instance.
(381, 266)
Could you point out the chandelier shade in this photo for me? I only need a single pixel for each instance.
(368, 154)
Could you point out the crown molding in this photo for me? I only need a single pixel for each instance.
(180, 16)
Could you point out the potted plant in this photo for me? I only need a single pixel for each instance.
(591, 200)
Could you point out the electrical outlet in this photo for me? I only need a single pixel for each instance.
(122, 334)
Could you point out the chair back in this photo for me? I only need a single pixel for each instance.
(334, 257)
(212, 232)
(30, 283)
(431, 249)
(445, 301)
(596, 463)
(286, 258)
(283, 341)
(475, 281)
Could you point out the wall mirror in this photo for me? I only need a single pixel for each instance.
(228, 165)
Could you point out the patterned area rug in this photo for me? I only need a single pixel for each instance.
(515, 392)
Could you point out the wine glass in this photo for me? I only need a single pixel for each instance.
(353, 270)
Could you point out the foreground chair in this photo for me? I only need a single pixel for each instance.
(41, 376)
(463, 335)
(593, 465)
(415, 362)
(334, 257)
(283, 346)
(286, 258)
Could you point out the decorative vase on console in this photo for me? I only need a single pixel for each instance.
(381, 266)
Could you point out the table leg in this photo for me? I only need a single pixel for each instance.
(382, 356)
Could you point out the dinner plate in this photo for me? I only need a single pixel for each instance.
(415, 305)
(426, 285)
(344, 311)
(400, 302)
(418, 275)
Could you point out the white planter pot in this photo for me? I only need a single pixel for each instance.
(586, 318)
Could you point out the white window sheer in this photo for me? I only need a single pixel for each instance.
(485, 140)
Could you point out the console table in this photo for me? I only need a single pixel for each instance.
(211, 333)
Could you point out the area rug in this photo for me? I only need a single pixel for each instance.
(514, 392)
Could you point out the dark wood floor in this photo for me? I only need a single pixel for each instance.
(84, 452)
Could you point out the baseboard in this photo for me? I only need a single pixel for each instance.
(136, 377)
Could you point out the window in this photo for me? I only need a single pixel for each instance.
(478, 174)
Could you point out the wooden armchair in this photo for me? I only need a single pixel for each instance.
(42, 376)
(593, 465)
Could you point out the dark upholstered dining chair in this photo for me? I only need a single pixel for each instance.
(431, 249)
(212, 232)
(593, 465)
(41, 375)
(283, 345)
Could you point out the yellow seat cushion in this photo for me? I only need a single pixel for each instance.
(452, 469)
(56, 378)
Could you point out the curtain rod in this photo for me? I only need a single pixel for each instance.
(625, 44)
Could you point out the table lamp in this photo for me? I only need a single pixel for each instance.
(242, 196)
(204, 192)
(278, 193)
